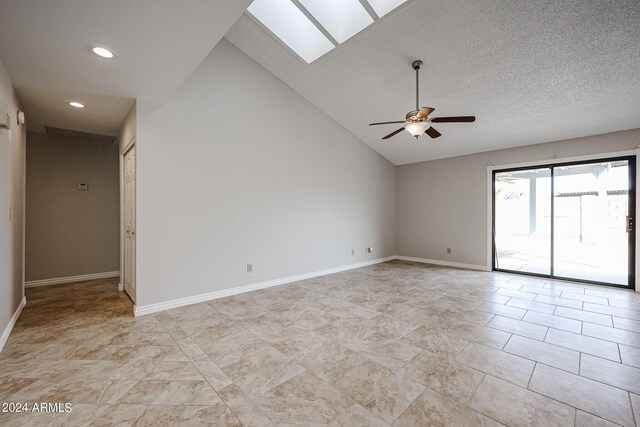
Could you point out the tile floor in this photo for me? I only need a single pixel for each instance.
(397, 344)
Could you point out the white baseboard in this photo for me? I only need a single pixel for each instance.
(71, 279)
(443, 263)
(154, 308)
(12, 322)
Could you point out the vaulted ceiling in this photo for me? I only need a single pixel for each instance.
(45, 47)
(531, 72)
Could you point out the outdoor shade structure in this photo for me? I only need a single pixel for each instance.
(571, 220)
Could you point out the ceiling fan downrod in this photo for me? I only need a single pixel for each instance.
(416, 66)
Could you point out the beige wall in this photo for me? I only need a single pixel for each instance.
(238, 168)
(70, 232)
(12, 149)
(443, 203)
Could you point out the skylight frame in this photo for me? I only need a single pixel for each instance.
(312, 19)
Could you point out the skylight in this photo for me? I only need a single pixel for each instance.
(382, 7)
(312, 28)
(290, 25)
(341, 18)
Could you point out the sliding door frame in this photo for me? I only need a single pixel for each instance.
(630, 157)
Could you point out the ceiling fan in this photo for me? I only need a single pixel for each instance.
(418, 121)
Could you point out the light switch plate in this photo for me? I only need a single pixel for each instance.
(83, 186)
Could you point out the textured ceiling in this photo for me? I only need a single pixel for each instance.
(531, 72)
(44, 46)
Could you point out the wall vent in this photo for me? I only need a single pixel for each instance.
(75, 134)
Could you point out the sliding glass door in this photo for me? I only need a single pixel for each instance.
(571, 220)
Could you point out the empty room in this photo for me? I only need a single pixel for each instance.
(319, 212)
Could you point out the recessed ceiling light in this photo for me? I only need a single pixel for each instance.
(76, 104)
(103, 52)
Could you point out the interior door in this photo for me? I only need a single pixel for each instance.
(130, 222)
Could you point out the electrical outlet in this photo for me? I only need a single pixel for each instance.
(249, 268)
(449, 251)
(353, 251)
(369, 250)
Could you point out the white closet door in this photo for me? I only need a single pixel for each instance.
(130, 223)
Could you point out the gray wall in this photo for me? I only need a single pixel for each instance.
(70, 232)
(238, 168)
(443, 203)
(12, 149)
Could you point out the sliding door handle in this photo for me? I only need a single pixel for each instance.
(630, 224)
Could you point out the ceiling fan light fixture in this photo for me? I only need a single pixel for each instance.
(416, 129)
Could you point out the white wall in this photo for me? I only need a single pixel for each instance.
(12, 149)
(239, 169)
(443, 203)
(71, 232)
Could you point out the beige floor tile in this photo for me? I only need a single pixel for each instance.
(389, 352)
(515, 294)
(613, 311)
(556, 300)
(356, 415)
(584, 298)
(635, 403)
(480, 334)
(549, 354)
(599, 399)
(630, 355)
(612, 334)
(171, 393)
(120, 415)
(584, 419)
(332, 361)
(552, 321)
(517, 406)
(467, 315)
(80, 342)
(612, 373)
(531, 305)
(434, 409)
(584, 344)
(626, 324)
(303, 400)
(498, 363)
(444, 374)
(380, 390)
(243, 407)
(490, 297)
(518, 327)
(438, 342)
(502, 310)
(213, 415)
(585, 316)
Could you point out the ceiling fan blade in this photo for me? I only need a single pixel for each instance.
(393, 133)
(424, 112)
(386, 123)
(432, 132)
(458, 119)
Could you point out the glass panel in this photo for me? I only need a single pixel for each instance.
(382, 7)
(291, 26)
(342, 18)
(591, 204)
(523, 220)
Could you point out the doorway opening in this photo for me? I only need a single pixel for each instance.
(571, 220)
